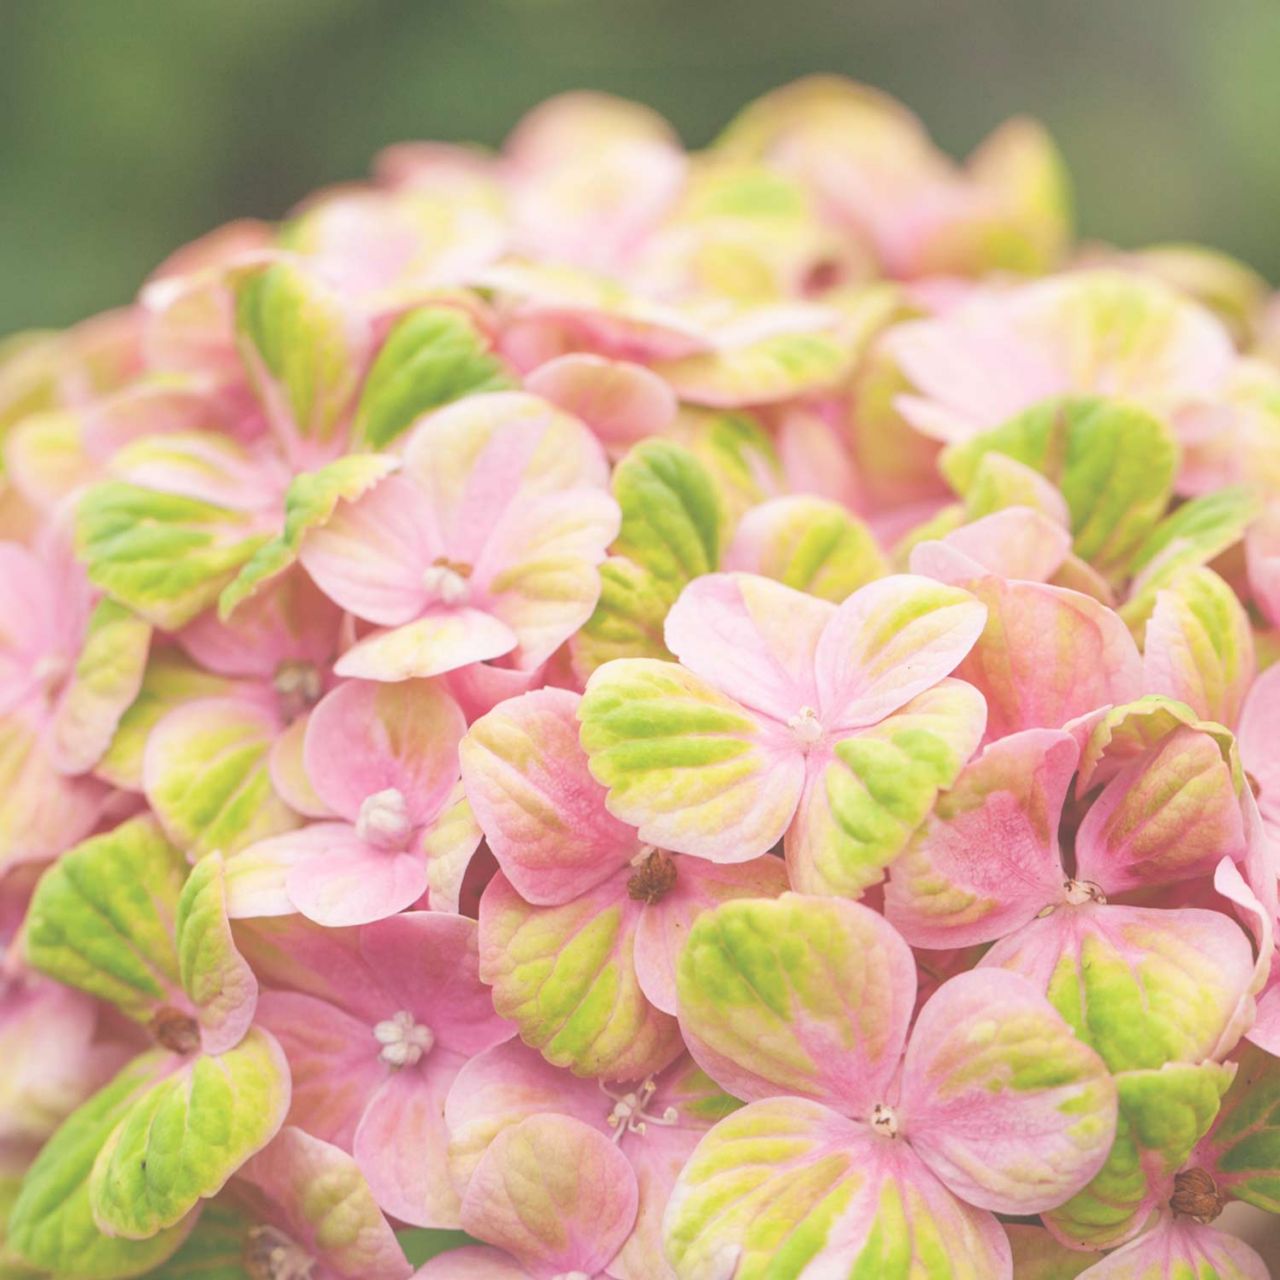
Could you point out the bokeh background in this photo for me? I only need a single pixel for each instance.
(130, 126)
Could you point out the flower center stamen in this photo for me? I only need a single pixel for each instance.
(1196, 1196)
(270, 1255)
(806, 726)
(629, 1114)
(174, 1030)
(653, 879)
(404, 1042)
(884, 1121)
(1078, 892)
(298, 686)
(447, 580)
(383, 819)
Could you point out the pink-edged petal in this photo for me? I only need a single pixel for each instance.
(566, 977)
(620, 401)
(1199, 647)
(555, 1193)
(698, 886)
(752, 639)
(428, 962)
(507, 1084)
(370, 556)
(442, 640)
(450, 844)
(1016, 542)
(789, 1181)
(205, 774)
(314, 1193)
(797, 995)
(366, 738)
(401, 1144)
(1048, 655)
(889, 642)
(1178, 1248)
(986, 860)
(1169, 815)
(351, 882)
(1000, 1099)
(541, 811)
(333, 1058)
(867, 794)
(691, 769)
(1142, 986)
(1258, 751)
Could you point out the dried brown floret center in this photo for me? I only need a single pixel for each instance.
(177, 1031)
(1196, 1195)
(653, 879)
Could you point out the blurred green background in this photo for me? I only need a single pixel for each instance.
(130, 126)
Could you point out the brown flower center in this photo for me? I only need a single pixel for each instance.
(1196, 1195)
(177, 1031)
(654, 878)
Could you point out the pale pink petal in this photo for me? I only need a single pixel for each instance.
(888, 642)
(473, 460)
(367, 738)
(428, 962)
(1262, 556)
(402, 1144)
(292, 622)
(751, 638)
(288, 772)
(333, 1058)
(987, 859)
(441, 641)
(537, 572)
(620, 401)
(999, 1139)
(699, 886)
(1016, 542)
(257, 877)
(371, 555)
(354, 883)
(554, 1193)
(1048, 655)
(542, 812)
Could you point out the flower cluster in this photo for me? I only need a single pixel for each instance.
(687, 716)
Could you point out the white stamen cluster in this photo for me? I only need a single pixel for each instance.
(806, 726)
(403, 1041)
(384, 819)
(629, 1114)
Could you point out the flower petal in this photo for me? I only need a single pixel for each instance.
(986, 860)
(865, 797)
(790, 1183)
(1000, 1099)
(566, 977)
(699, 886)
(797, 995)
(689, 768)
(555, 1193)
(888, 643)
(365, 738)
(541, 811)
(1179, 1248)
